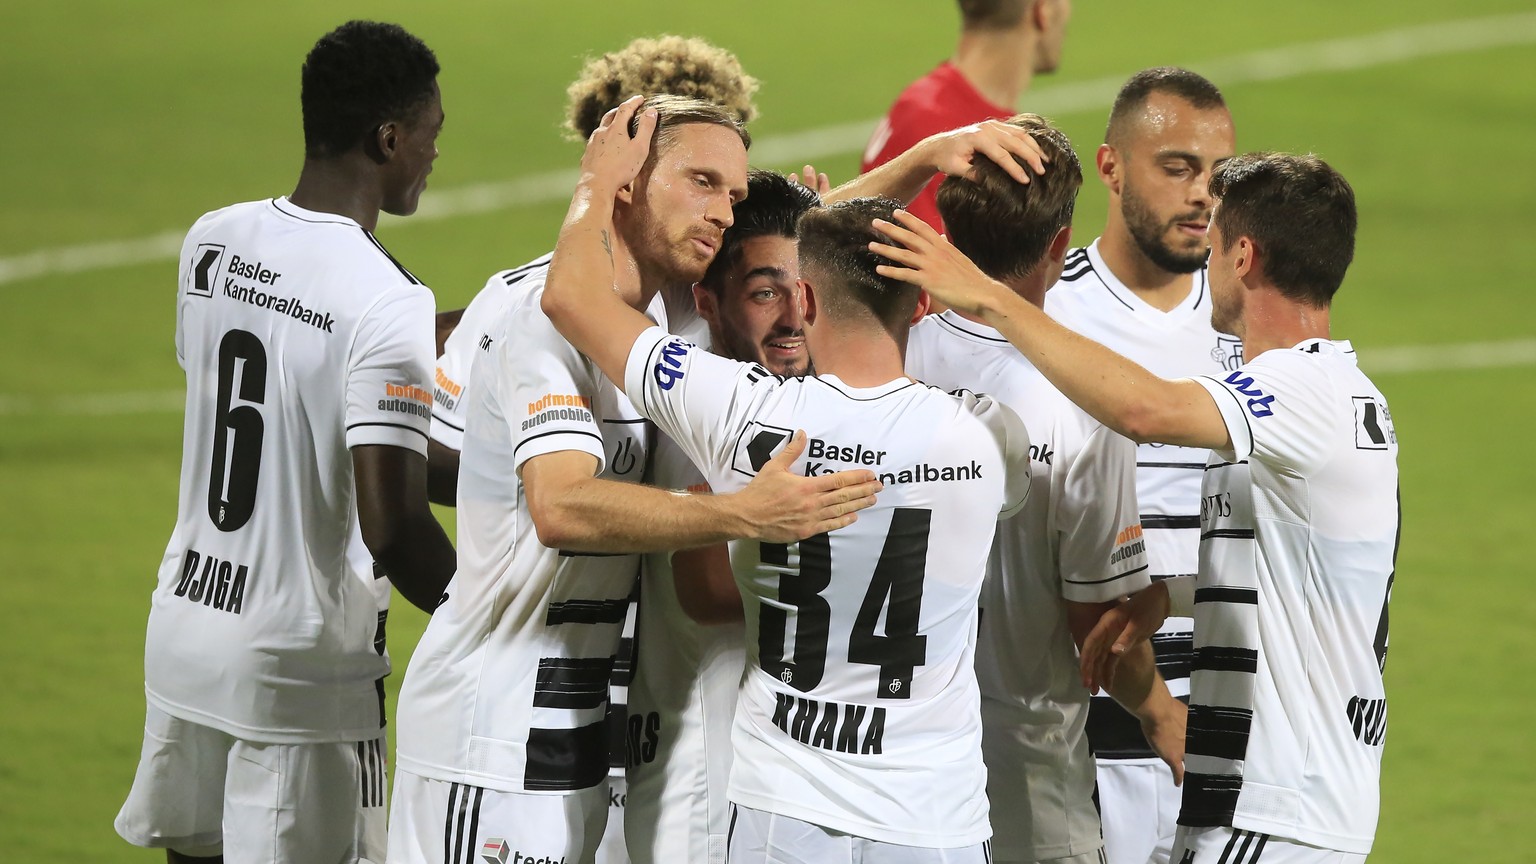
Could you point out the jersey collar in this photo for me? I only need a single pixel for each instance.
(1194, 303)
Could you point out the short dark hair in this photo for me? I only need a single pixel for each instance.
(1005, 226)
(1187, 85)
(773, 205)
(673, 112)
(358, 76)
(835, 242)
(1298, 211)
(992, 14)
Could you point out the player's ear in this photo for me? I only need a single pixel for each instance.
(924, 303)
(808, 302)
(1108, 162)
(704, 301)
(1057, 251)
(626, 193)
(1246, 258)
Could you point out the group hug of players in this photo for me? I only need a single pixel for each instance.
(854, 564)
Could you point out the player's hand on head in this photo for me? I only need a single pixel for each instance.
(614, 157)
(810, 179)
(955, 152)
(785, 507)
(923, 257)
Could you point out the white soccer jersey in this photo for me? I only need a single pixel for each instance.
(1181, 342)
(1299, 530)
(681, 705)
(301, 337)
(456, 365)
(508, 688)
(859, 709)
(1077, 539)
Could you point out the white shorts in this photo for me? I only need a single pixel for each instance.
(201, 791)
(441, 821)
(611, 850)
(759, 837)
(1229, 846)
(1139, 810)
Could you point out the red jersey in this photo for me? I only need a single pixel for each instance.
(937, 102)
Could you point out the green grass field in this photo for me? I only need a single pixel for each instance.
(127, 121)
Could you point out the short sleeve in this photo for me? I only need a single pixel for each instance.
(389, 374)
(1102, 553)
(1013, 439)
(451, 379)
(1277, 410)
(694, 397)
(546, 388)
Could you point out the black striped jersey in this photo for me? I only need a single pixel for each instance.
(1174, 344)
(301, 338)
(509, 687)
(1077, 539)
(859, 709)
(1299, 531)
(473, 333)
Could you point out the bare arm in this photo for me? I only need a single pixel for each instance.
(705, 586)
(442, 474)
(949, 152)
(577, 511)
(1117, 392)
(397, 524)
(446, 322)
(1139, 688)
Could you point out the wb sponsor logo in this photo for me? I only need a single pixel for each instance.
(669, 369)
(1258, 402)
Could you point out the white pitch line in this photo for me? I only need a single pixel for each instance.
(1404, 359)
(1333, 55)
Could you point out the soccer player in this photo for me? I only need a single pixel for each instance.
(666, 64)
(857, 735)
(1073, 551)
(1299, 513)
(1141, 289)
(690, 649)
(1003, 44)
(308, 351)
(503, 745)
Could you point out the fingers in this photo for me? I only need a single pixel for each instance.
(1002, 152)
(790, 453)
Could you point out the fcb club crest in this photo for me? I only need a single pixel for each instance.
(1228, 352)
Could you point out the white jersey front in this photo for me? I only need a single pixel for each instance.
(681, 702)
(859, 710)
(508, 688)
(1077, 539)
(1299, 531)
(455, 367)
(301, 337)
(1174, 344)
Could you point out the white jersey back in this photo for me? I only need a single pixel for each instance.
(456, 365)
(859, 708)
(1077, 539)
(301, 337)
(1300, 524)
(508, 688)
(681, 702)
(1174, 344)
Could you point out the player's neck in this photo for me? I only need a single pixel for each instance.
(1273, 321)
(1157, 287)
(996, 64)
(339, 186)
(858, 357)
(630, 278)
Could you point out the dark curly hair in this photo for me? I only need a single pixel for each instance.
(358, 76)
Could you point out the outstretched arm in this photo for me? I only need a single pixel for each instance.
(579, 295)
(1117, 392)
(951, 153)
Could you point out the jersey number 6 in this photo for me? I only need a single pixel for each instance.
(896, 587)
(237, 431)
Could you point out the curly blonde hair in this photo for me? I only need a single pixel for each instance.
(678, 65)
